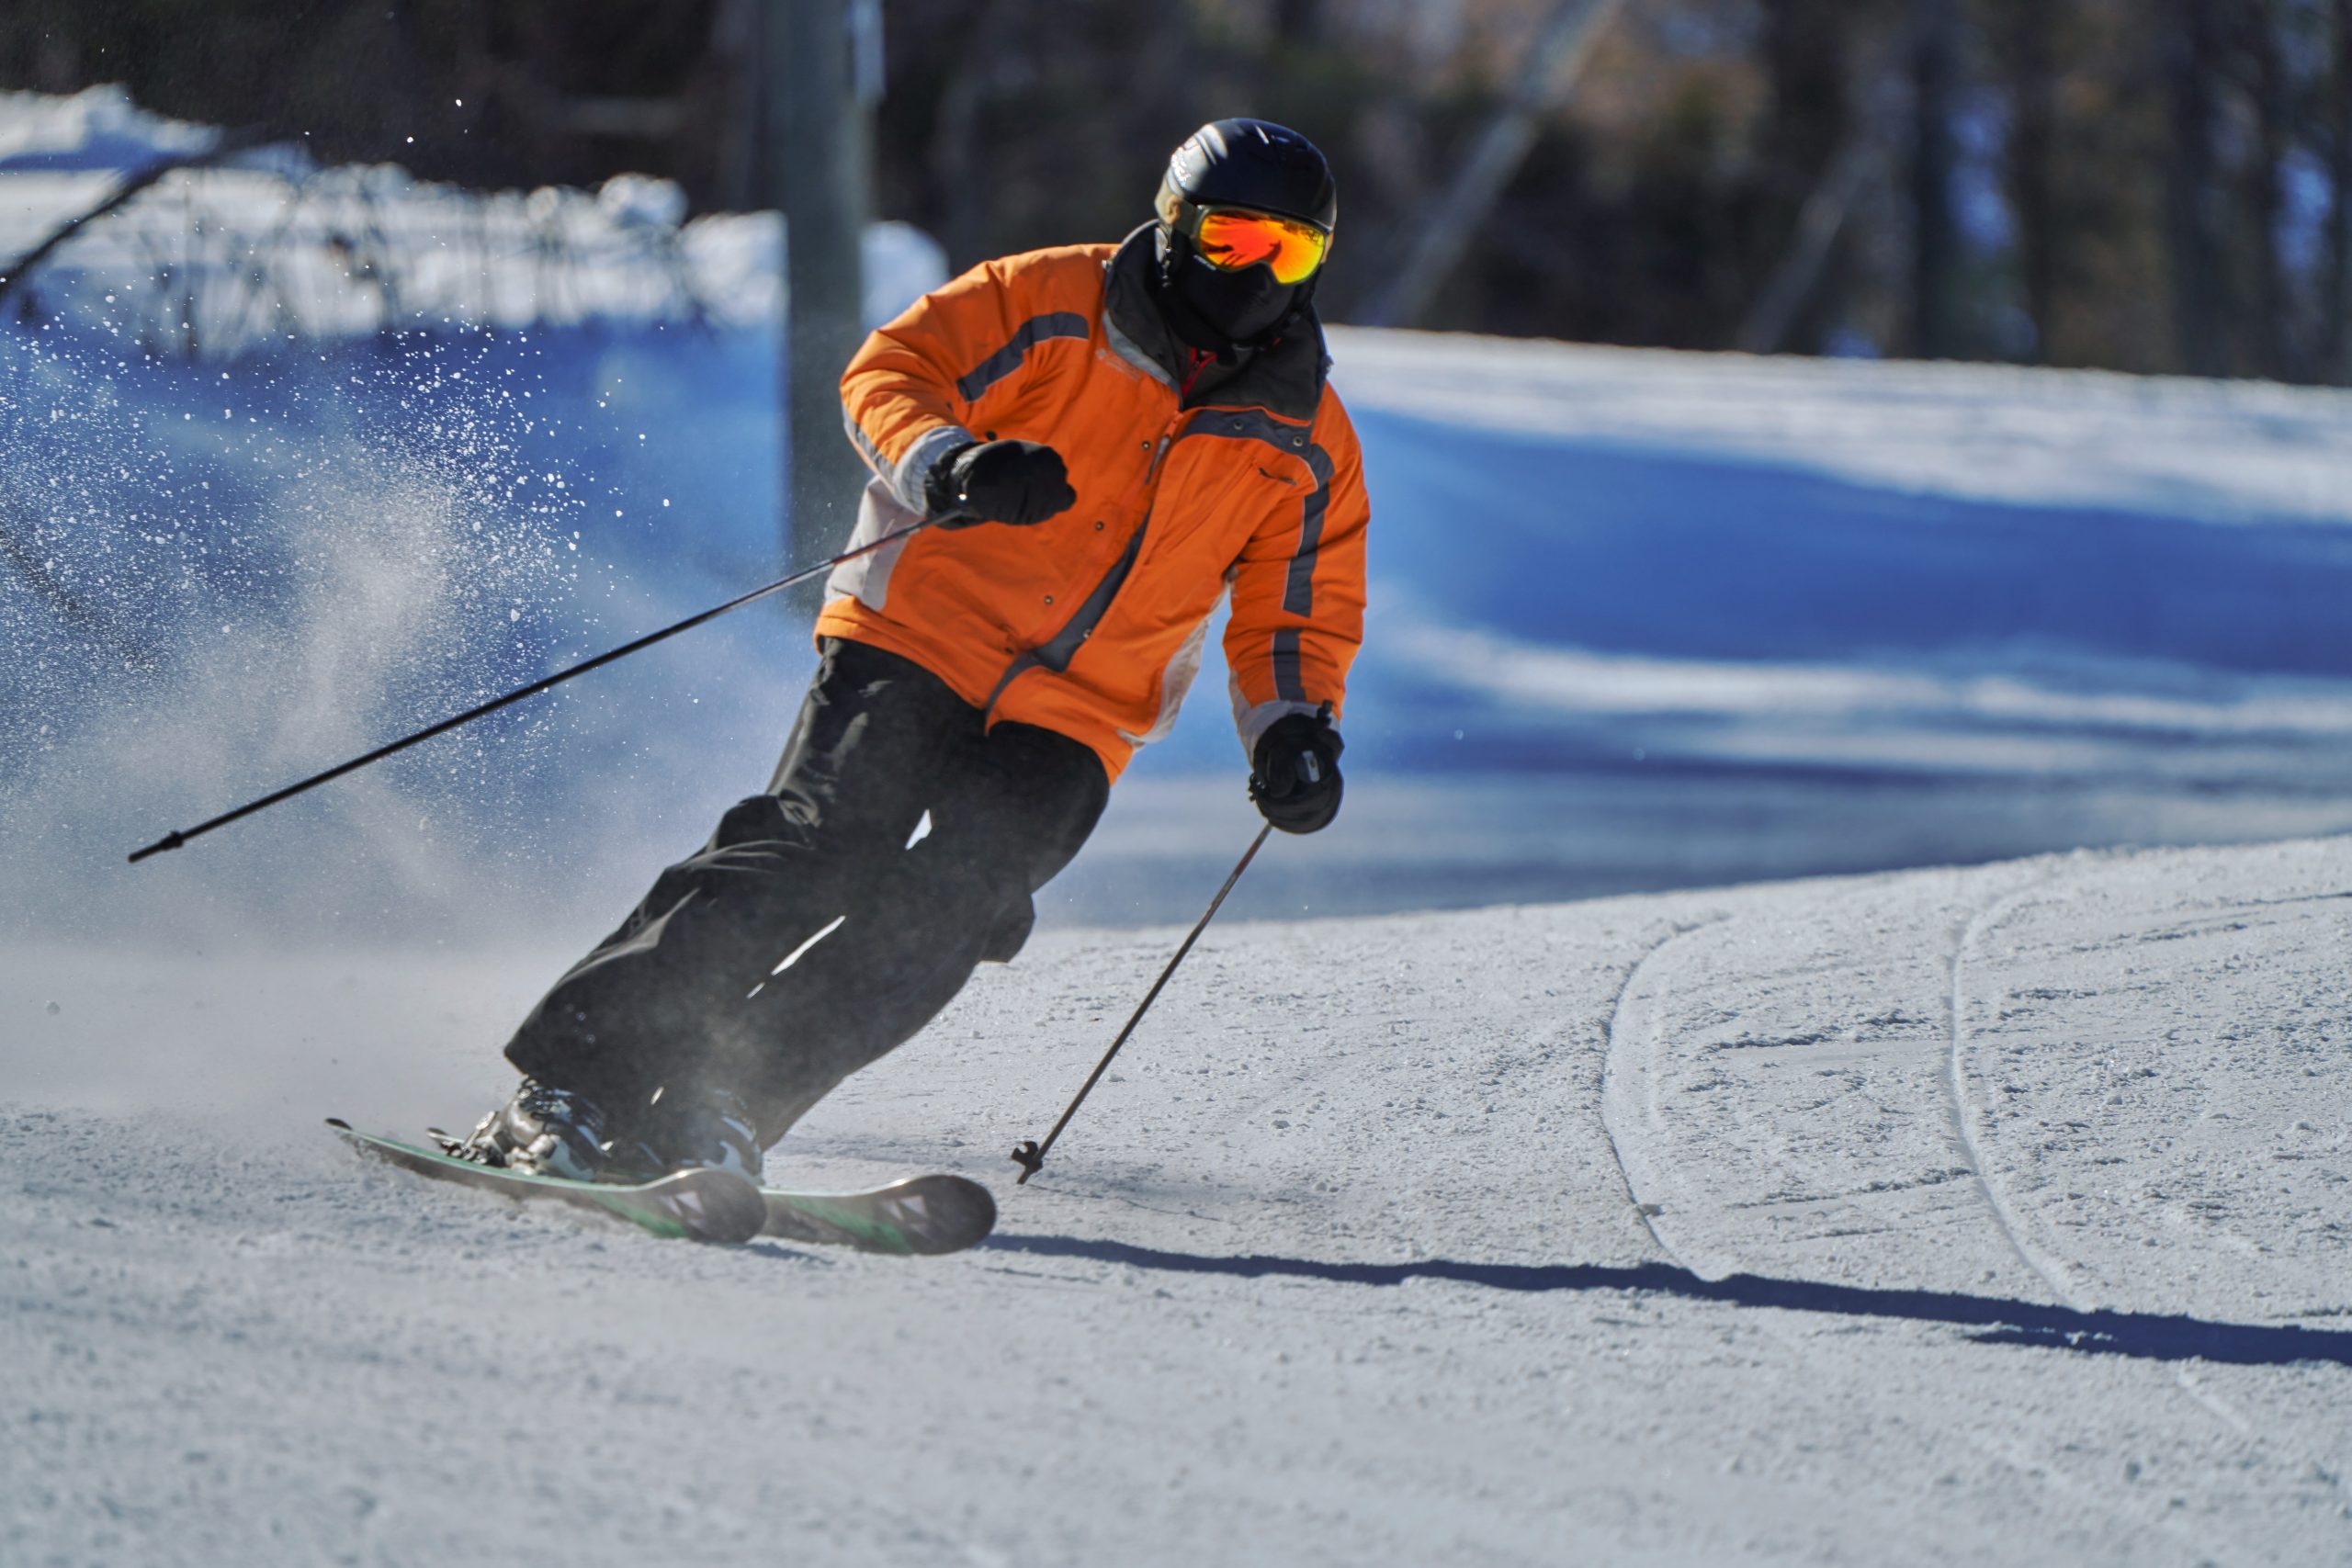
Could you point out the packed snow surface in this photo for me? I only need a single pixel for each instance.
(1976, 1216)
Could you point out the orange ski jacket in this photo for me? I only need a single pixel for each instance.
(1090, 623)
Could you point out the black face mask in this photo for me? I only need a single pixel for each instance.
(1215, 311)
(1238, 305)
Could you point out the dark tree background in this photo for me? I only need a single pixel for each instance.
(2146, 185)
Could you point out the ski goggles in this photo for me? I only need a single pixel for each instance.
(1233, 239)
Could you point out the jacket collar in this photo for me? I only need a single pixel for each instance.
(1284, 378)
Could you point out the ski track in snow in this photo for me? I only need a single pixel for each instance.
(1963, 1115)
(1617, 1098)
(2054, 1271)
(1634, 1112)
(1635, 1047)
(1369, 1249)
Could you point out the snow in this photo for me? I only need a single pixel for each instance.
(1638, 620)
(1948, 1216)
(99, 130)
(1987, 1213)
(2213, 451)
(267, 248)
(1595, 664)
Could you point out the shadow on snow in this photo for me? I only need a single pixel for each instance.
(2006, 1321)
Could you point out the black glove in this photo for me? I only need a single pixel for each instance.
(1295, 781)
(999, 482)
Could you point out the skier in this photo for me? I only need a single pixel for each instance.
(1105, 439)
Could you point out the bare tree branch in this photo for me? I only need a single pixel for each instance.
(1766, 328)
(80, 616)
(230, 143)
(1548, 78)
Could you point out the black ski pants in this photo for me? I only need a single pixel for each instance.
(808, 937)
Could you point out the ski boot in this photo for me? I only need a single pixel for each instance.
(545, 1131)
(683, 1128)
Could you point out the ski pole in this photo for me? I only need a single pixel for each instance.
(1030, 1154)
(175, 840)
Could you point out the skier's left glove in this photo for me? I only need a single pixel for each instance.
(1296, 775)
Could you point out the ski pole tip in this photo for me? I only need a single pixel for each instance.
(1030, 1158)
(170, 840)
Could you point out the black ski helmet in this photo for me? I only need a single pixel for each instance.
(1250, 163)
(1253, 164)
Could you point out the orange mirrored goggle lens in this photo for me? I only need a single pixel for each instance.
(1232, 241)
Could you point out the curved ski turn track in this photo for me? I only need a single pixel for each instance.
(1947, 1217)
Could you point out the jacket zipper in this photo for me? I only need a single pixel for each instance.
(1026, 660)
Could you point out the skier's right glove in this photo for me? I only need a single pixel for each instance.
(1295, 776)
(998, 482)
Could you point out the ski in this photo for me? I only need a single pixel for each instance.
(921, 1216)
(696, 1205)
(918, 1216)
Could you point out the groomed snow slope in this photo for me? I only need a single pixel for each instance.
(1978, 1217)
